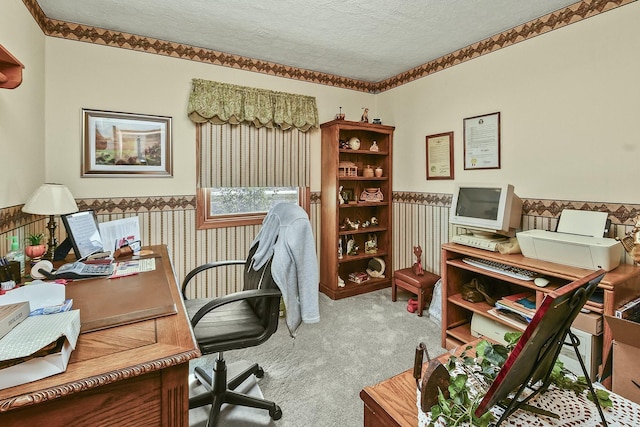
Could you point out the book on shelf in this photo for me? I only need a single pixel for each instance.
(11, 315)
(525, 315)
(510, 317)
(524, 302)
(358, 277)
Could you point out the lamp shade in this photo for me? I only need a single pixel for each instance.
(51, 199)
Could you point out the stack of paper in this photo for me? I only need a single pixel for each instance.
(38, 347)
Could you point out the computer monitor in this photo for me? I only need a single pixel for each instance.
(486, 210)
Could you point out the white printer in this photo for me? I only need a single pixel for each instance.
(578, 242)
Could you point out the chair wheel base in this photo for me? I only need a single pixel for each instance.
(276, 413)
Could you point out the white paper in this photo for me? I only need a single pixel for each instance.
(114, 233)
(584, 223)
(39, 295)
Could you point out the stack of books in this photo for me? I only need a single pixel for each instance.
(517, 309)
(630, 311)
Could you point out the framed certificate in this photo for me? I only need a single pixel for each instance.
(482, 142)
(440, 156)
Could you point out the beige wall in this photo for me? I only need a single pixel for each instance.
(22, 113)
(568, 101)
(81, 75)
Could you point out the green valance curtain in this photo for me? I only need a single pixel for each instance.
(220, 103)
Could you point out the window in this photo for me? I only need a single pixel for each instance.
(233, 206)
(253, 150)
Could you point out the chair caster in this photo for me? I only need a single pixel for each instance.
(276, 413)
(412, 305)
(259, 372)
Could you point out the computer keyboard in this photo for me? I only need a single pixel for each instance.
(498, 267)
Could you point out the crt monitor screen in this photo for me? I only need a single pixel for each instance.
(482, 203)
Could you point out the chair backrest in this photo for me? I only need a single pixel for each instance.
(261, 279)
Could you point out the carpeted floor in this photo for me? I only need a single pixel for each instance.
(316, 378)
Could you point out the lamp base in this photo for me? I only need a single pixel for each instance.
(52, 244)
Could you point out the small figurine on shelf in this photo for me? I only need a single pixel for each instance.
(365, 116)
(340, 198)
(340, 115)
(340, 282)
(417, 266)
(374, 146)
(347, 224)
(371, 245)
(339, 247)
(374, 220)
(352, 247)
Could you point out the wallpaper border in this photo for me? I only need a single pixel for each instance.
(619, 213)
(573, 13)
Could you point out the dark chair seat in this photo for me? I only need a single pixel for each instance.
(235, 320)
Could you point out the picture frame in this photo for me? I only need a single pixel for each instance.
(126, 145)
(482, 141)
(439, 150)
(83, 232)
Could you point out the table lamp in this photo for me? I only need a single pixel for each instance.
(51, 199)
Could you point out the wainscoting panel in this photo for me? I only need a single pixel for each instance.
(417, 224)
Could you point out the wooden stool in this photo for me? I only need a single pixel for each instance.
(422, 286)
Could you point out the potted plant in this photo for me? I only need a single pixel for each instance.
(35, 248)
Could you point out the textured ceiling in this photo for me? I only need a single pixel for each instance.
(364, 40)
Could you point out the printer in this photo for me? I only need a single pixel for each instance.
(578, 242)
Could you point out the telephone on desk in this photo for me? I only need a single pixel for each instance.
(78, 270)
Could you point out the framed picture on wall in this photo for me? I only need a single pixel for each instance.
(440, 156)
(125, 144)
(482, 142)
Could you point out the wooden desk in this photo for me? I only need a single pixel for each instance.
(393, 403)
(131, 372)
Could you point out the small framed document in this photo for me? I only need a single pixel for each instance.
(440, 156)
(482, 142)
(83, 232)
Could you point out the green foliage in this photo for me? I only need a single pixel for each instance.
(579, 385)
(489, 358)
(35, 239)
(459, 408)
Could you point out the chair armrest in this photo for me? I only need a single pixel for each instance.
(236, 296)
(205, 267)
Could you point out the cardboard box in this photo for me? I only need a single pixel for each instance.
(22, 358)
(626, 357)
(11, 315)
(589, 322)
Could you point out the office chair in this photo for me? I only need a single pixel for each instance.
(239, 320)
